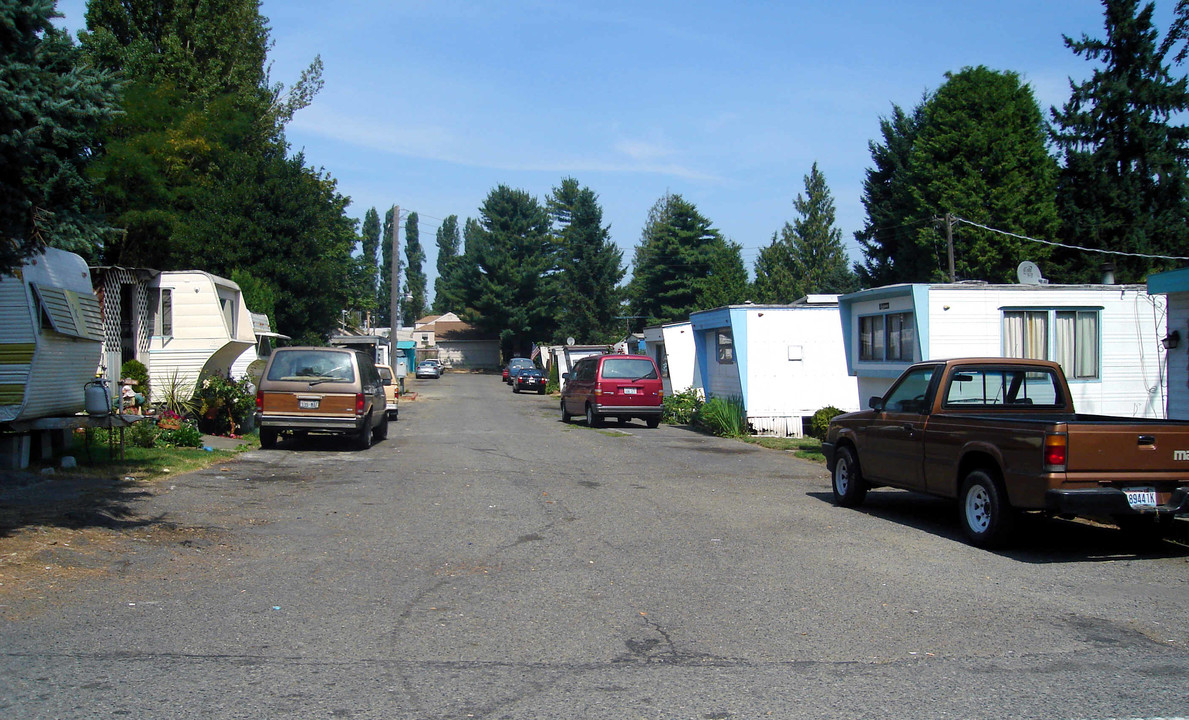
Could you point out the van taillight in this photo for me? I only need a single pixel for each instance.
(598, 390)
(1056, 452)
(260, 400)
(358, 403)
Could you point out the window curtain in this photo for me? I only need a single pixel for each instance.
(1087, 345)
(1065, 343)
(1026, 334)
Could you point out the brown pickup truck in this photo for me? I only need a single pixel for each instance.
(1001, 436)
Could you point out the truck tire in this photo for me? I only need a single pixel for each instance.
(268, 438)
(847, 481)
(987, 519)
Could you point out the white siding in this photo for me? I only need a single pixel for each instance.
(682, 357)
(967, 321)
(795, 366)
(200, 330)
(61, 364)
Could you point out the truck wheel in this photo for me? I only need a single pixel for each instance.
(986, 517)
(849, 488)
(268, 438)
(381, 431)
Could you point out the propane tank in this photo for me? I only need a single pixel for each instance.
(96, 399)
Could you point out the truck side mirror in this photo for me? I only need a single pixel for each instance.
(875, 403)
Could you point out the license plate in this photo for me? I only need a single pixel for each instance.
(1141, 497)
(630, 391)
(307, 404)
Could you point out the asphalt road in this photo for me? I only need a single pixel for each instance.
(489, 561)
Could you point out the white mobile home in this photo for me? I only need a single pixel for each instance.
(1175, 285)
(1106, 337)
(51, 337)
(682, 370)
(197, 325)
(786, 362)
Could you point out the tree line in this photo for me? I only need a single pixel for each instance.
(158, 140)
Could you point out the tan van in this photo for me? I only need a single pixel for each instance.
(321, 390)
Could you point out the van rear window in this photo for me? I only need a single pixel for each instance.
(324, 365)
(629, 369)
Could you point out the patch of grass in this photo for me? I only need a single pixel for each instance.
(614, 433)
(804, 448)
(151, 463)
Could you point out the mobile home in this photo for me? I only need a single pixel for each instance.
(1175, 341)
(785, 362)
(51, 337)
(1106, 337)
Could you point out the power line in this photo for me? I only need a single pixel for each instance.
(1069, 247)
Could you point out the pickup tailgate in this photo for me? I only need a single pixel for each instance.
(1128, 452)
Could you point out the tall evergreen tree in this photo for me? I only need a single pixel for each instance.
(514, 253)
(53, 108)
(808, 256)
(819, 259)
(887, 239)
(370, 241)
(978, 152)
(384, 287)
(679, 250)
(590, 265)
(413, 307)
(773, 269)
(446, 294)
(1125, 151)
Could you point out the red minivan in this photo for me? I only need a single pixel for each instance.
(618, 386)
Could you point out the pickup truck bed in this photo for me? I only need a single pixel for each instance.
(1001, 436)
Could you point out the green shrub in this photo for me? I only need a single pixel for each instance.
(142, 434)
(554, 381)
(820, 422)
(725, 417)
(223, 405)
(682, 407)
(185, 436)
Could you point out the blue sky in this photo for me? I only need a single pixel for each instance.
(430, 104)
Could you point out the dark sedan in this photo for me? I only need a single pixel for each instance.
(529, 379)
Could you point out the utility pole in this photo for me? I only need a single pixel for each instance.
(949, 242)
(394, 301)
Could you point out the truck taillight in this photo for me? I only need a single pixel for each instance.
(1056, 452)
(260, 400)
(358, 403)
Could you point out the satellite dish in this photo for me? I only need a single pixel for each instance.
(1028, 273)
(570, 341)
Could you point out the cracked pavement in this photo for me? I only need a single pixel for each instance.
(488, 561)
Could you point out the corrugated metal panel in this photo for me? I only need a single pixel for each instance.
(16, 356)
(785, 426)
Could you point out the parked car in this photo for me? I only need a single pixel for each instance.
(1001, 436)
(618, 386)
(321, 390)
(516, 364)
(441, 366)
(529, 379)
(391, 391)
(427, 369)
